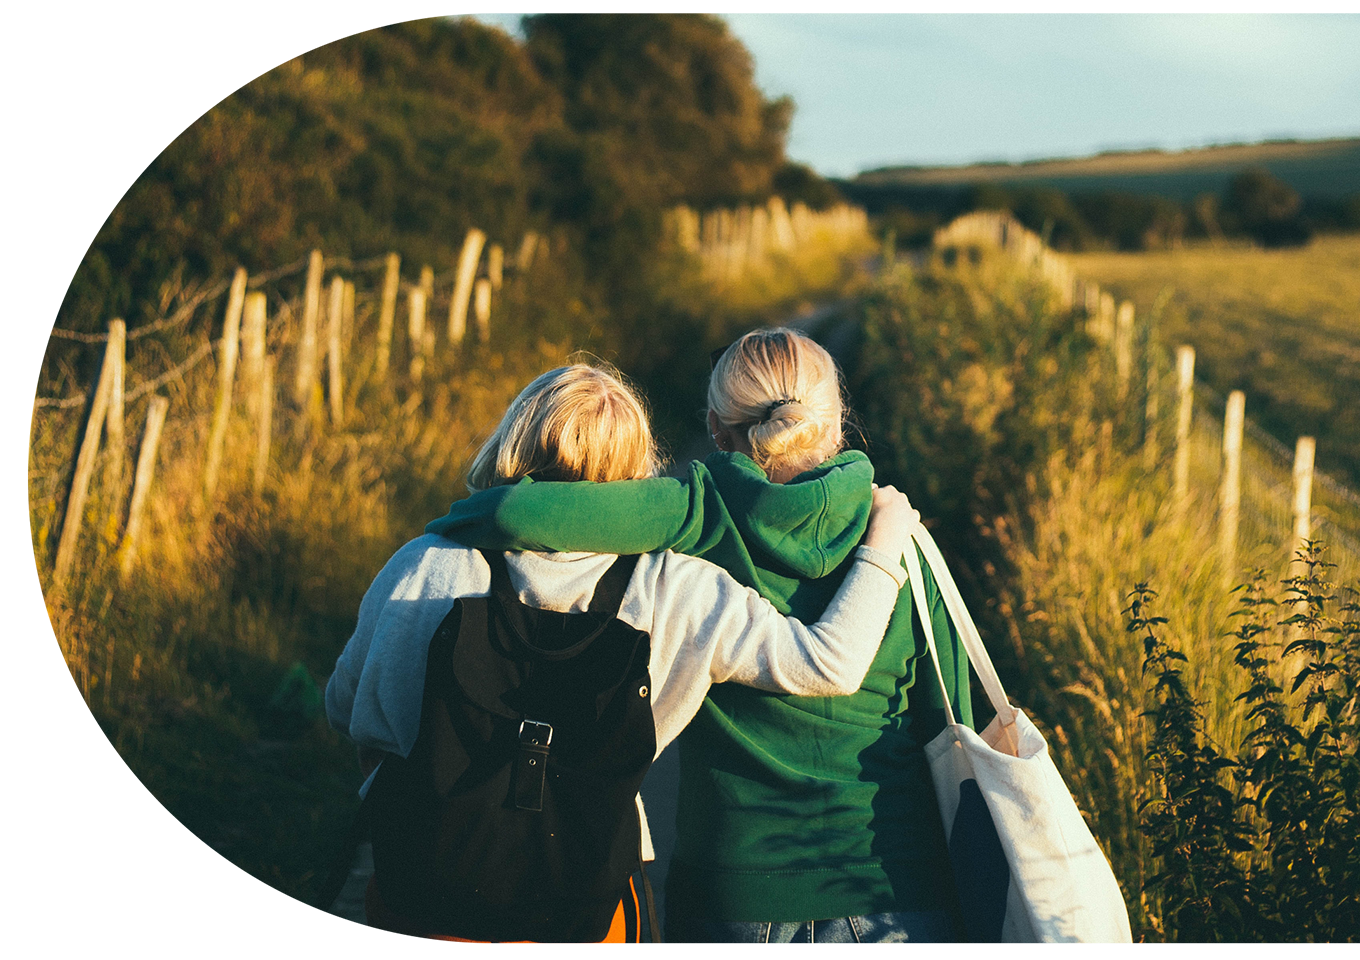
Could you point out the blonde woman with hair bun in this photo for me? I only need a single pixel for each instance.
(799, 818)
(775, 396)
(452, 859)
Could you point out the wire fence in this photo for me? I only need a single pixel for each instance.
(1270, 474)
(334, 340)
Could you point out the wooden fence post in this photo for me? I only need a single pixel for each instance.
(1105, 323)
(89, 449)
(1185, 401)
(40, 306)
(114, 421)
(306, 366)
(1123, 348)
(387, 313)
(266, 425)
(462, 286)
(495, 265)
(1152, 411)
(1230, 495)
(253, 330)
(335, 318)
(427, 283)
(231, 344)
(527, 246)
(1304, 451)
(481, 309)
(141, 484)
(347, 315)
(415, 331)
(760, 232)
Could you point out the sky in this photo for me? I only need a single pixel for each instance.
(877, 90)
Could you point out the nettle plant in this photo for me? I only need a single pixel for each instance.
(1260, 842)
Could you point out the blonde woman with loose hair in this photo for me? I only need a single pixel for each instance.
(573, 423)
(659, 628)
(800, 818)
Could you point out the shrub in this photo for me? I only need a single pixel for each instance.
(1264, 844)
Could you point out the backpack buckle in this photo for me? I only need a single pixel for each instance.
(531, 766)
(535, 731)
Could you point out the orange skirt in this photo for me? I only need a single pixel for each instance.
(624, 928)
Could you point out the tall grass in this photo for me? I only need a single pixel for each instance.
(204, 668)
(1278, 324)
(1001, 419)
(186, 664)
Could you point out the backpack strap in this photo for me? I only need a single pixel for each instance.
(535, 736)
(609, 591)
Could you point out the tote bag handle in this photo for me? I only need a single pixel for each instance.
(919, 539)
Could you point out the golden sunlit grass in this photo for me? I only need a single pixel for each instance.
(183, 662)
(1282, 325)
(186, 663)
(1072, 513)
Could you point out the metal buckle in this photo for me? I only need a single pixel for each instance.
(536, 735)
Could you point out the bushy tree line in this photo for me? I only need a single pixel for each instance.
(403, 137)
(1255, 204)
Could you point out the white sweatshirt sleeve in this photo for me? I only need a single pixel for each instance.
(707, 628)
(375, 692)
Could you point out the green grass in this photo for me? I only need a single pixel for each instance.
(1281, 325)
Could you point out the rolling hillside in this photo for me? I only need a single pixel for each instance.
(1320, 168)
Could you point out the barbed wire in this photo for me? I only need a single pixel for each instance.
(141, 389)
(59, 402)
(1281, 453)
(260, 279)
(170, 374)
(207, 294)
(179, 316)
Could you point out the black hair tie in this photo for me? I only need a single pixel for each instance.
(769, 411)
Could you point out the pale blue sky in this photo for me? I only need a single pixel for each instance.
(885, 89)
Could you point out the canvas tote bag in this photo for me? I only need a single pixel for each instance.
(1025, 864)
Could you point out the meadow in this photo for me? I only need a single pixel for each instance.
(1110, 607)
(1314, 168)
(1278, 324)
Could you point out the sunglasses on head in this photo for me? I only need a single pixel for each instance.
(715, 356)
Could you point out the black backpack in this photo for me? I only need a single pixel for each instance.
(514, 817)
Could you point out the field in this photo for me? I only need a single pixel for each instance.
(1281, 325)
(1327, 168)
(989, 403)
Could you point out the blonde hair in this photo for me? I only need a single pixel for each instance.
(784, 391)
(574, 423)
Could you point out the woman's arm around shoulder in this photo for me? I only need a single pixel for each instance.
(706, 628)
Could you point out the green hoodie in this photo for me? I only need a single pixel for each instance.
(791, 808)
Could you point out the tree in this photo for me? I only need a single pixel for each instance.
(664, 107)
(1267, 208)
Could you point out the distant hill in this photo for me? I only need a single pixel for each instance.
(1323, 169)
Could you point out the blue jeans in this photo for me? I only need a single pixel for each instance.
(924, 926)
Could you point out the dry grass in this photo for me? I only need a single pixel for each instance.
(1080, 513)
(1279, 324)
(182, 662)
